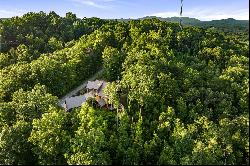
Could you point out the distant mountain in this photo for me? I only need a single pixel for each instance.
(194, 21)
(4, 18)
(185, 20)
(226, 25)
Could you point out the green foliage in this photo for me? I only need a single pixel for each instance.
(32, 104)
(111, 91)
(27, 105)
(112, 63)
(7, 114)
(180, 96)
(60, 71)
(89, 146)
(49, 137)
(14, 145)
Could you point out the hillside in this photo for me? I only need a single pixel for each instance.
(174, 96)
(185, 20)
(225, 25)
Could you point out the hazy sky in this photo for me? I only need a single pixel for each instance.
(201, 9)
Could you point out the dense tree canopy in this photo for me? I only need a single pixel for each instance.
(179, 96)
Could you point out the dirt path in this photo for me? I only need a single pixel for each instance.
(74, 91)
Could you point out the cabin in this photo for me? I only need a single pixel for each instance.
(94, 86)
(97, 89)
(73, 102)
(94, 90)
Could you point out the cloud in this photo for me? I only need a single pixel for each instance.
(208, 14)
(10, 13)
(101, 4)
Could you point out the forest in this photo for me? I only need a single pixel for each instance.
(185, 92)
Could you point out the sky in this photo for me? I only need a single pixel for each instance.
(204, 10)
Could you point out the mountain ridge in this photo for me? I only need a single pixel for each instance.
(226, 25)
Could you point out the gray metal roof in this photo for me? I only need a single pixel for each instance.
(101, 102)
(101, 93)
(94, 84)
(90, 94)
(76, 101)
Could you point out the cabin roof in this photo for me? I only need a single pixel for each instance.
(101, 102)
(94, 84)
(87, 95)
(101, 93)
(76, 101)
